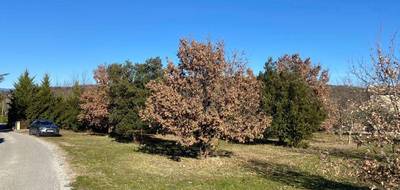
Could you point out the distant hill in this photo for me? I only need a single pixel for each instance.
(341, 94)
(66, 90)
(61, 91)
(4, 90)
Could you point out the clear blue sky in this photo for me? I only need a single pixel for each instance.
(67, 38)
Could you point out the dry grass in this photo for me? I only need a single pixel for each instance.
(102, 163)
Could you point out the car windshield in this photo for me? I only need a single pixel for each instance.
(45, 123)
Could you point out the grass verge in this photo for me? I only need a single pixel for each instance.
(102, 163)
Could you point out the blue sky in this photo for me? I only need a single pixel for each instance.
(68, 38)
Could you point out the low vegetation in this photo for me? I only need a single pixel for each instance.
(103, 163)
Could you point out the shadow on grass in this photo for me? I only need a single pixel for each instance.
(292, 177)
(172, 149)
(96, 134)
(336, 152)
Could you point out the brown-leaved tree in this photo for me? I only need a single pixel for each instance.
(381, 118)
(95, 102)
(205, 97)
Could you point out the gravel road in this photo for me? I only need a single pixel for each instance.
(27, 162)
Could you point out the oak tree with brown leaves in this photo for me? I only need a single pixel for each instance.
(205, 97)
(95, 102)
(381, 114)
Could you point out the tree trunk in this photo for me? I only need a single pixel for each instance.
(350, 133)
(205, 149)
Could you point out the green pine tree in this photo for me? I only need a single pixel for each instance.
(68, 109)
(21, 98)
(43, 103)
(128, 95)
(296, 112)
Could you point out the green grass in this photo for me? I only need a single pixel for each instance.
(102, 163)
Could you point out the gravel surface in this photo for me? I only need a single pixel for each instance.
(28, 162)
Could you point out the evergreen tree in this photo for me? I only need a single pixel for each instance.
(128, 95)
(295, 110)
(21, 98)
(67, 110)
(43, 103)
(150, 70)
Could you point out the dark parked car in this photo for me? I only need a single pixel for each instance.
(44, 127)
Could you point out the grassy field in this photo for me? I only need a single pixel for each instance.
(102, 163)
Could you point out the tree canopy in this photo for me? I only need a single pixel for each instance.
(202, 99)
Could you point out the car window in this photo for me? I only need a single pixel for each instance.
(45, 123)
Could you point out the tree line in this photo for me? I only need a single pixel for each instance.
(208, 96)
(112, 103)
(205, 97)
